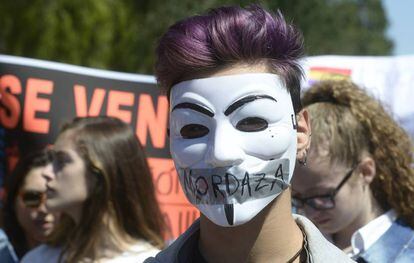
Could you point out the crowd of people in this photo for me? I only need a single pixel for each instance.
(90, 198)
(247, 147)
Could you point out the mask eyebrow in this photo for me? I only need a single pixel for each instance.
(237, 104)
(188, 105)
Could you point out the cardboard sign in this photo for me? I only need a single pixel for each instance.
(38, 97)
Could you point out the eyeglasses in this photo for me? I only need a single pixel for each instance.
(33, 199)
(322, 202)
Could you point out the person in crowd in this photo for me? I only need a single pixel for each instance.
(236, 130)
(101, 183)
(358, 184)
(7, 254)
(27, 221)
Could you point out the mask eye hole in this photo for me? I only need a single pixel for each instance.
(252, 124)
(192, 131)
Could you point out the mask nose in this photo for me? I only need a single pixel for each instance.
(224, 147)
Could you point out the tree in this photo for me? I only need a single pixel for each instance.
(78, 32)
(122, 34)
(347, 27)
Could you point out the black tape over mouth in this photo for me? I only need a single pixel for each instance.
(229, 210)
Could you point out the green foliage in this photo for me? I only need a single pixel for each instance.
(347, 27)
(122, 34)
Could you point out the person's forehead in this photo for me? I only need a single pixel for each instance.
(65, 141)
(318, 173)
(64, 147)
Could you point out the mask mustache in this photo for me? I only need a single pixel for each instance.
(233, 185)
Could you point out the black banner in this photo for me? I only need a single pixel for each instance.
(38, 97)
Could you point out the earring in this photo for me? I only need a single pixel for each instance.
(304, 159)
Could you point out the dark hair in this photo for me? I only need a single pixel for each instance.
(124, 188)
(228, 36)
(14, 183)
(351, 122)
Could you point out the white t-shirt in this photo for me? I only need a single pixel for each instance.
(136, 253)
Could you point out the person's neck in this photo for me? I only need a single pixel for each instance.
(31, 242)
(75, 212)
(111, 239)
(342, 239)
(273, 233)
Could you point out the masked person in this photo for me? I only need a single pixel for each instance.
(358, 184)
(235, 131)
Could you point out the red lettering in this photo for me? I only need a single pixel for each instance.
(33, 104)
(9, 115)
(117, 99)
(153, 121)
(81, 104)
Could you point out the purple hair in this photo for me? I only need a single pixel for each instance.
(226, 36)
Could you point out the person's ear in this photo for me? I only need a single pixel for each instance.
(367, 169)
(303, 134)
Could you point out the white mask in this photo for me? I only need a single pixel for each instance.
(233, 141)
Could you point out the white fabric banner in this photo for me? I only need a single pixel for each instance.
(389, 79)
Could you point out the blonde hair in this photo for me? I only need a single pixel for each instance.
(352, 123)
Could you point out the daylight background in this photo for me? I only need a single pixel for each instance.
(121, 35)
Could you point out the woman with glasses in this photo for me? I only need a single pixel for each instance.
(357, 184)
(27, 221)
(100, 181)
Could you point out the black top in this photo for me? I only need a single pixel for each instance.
(191, 244)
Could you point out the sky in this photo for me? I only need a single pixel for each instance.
(401, 25)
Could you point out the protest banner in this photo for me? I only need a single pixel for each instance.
(38, 97)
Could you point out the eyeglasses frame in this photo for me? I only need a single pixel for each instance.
(331, 195)
(42, 200)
